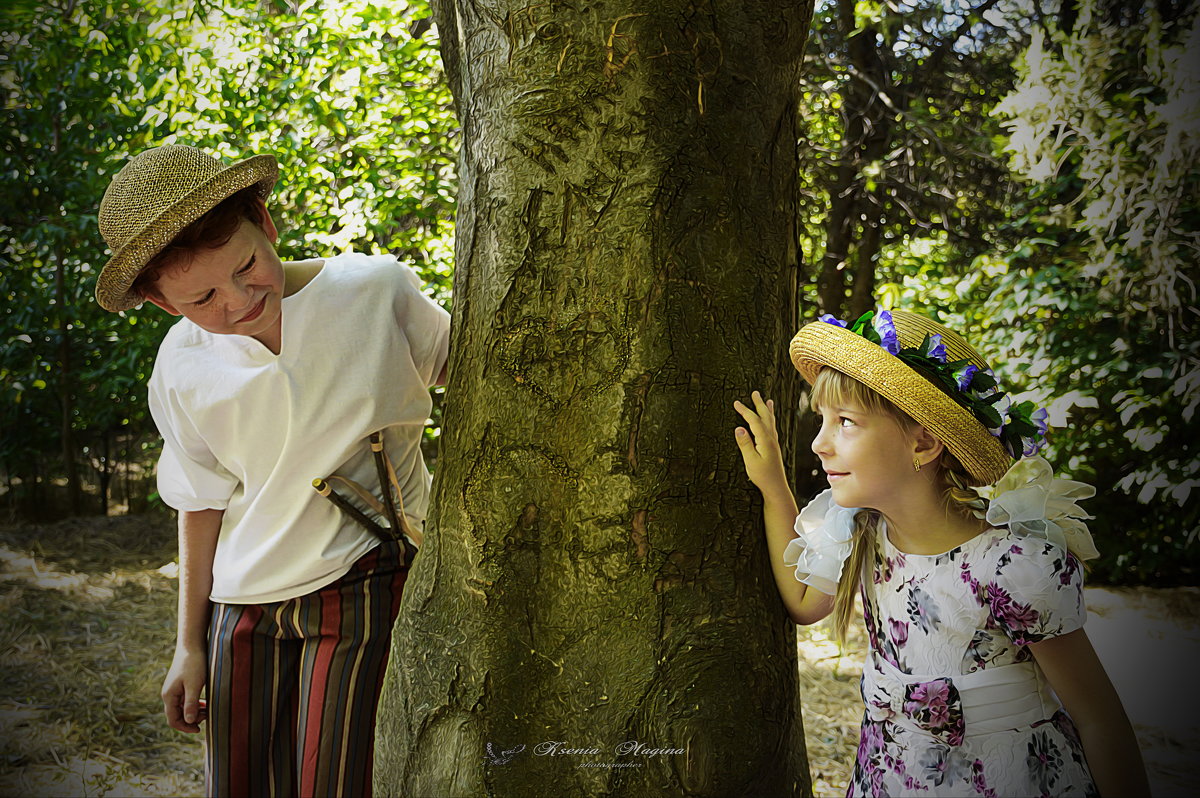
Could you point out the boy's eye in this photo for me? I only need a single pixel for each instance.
(845, 422)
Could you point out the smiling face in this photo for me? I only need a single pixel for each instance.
(866, 449)
(233, 289)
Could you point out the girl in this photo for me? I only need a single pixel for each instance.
(972, 595)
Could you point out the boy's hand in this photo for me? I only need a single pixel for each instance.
(760, 446)
(184, 708)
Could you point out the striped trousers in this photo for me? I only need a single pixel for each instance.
(293, 685)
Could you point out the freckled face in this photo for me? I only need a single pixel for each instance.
(867, 456)
(236, 288)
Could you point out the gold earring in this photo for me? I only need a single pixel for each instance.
(917, 463)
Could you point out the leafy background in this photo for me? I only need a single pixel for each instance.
(1025, 172)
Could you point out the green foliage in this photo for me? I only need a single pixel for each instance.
(347, 95)
(62, 354)
(1071, 269)
(897, 139)
(1115, 423)
(1104, 123)
(352, 105)
(1066, 242)
(1119, 418)
(1118, 107)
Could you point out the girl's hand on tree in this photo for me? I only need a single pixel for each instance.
(184, 708)
(760, 446)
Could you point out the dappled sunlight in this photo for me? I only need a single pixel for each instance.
(24, 567)
(102, 774)
(84, 649)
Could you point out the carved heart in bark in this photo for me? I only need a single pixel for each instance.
(563, 363)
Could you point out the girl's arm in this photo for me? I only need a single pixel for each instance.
(198, 531)
(1075, 673)
(764, 465)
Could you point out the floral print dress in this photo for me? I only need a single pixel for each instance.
(939, 625)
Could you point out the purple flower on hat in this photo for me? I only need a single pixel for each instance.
(1002, 406)
(882, 322)
(1039, 418)
(935, 348)
(830, 319)
(964, 375)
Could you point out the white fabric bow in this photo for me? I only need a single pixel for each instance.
(1032, 502)
(824, 531)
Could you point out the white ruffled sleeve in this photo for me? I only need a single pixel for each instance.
(824, 535)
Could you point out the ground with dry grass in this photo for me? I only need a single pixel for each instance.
(87, 624)
(87, 610)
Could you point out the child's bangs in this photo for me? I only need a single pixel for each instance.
(835, 389)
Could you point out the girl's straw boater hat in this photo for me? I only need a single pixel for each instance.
(154, 197)
(933, 375)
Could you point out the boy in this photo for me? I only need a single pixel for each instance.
(276, 375)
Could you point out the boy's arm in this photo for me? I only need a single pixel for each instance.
(764, 465)
(424, 323)
(198, 532)
(1078, 678)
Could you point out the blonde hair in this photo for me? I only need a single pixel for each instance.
(833, 388)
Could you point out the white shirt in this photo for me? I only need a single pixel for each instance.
(246, 431)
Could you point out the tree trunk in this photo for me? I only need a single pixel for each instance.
(862, 293)
(595, 569)
(66, 391)
(852, 234)
(105, 470)
(66, 380)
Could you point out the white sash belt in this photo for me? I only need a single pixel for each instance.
(949, 708)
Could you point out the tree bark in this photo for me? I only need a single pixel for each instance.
(66, 392)
(862, 293)
(852, 232)
(66, 379)
(594, 570)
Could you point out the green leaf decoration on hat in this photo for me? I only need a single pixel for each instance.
(1021, 428)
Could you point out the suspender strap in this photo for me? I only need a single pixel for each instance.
(398, 527)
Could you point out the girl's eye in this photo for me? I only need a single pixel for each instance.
(203, 301)
(249, 265)
(845, 422)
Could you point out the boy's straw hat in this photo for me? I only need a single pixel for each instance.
(156, 195)
(822, 344)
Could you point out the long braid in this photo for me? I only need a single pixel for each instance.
(955, 488)
(866, 526)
